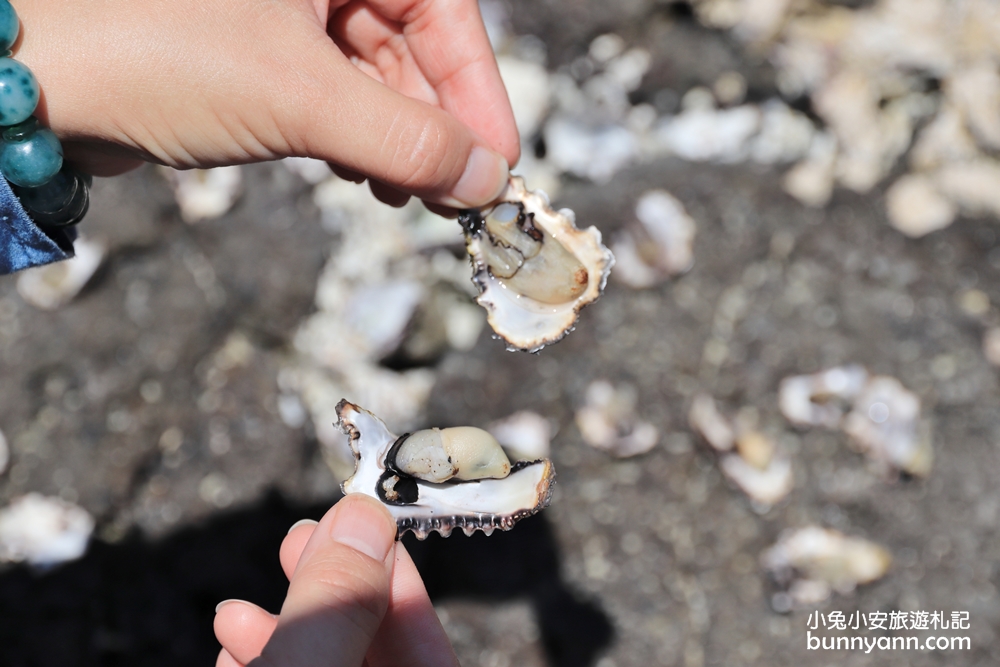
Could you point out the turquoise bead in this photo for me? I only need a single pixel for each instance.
(31, 155)
(9, 25)
(18, 92)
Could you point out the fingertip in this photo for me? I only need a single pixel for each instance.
(364, 524)
(483, 180)
(293, 545)
(243, 628)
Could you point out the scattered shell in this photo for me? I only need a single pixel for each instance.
(592, 151)
(916, 208)
(52, 286)
(974, 185)
(785, 135)
(4, 453)
(310, 170)
(43, 531)
(991, 345)
(525, 435)
(818, 399)
(885, 424)
(884, 421)
(973, 302)
(755, 448)
(944, 140)
(767, 485)
(421, 506)
(702, 135)
(203, 194)
(824, 560)
(708, 422)
(660, 246)
(811, 181)
(608, 421)
(380, 313)
(527, 85)
(758, 468)
(534, 269)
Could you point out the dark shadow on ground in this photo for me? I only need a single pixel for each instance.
(145, 604)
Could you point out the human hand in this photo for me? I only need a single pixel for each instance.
(403, 92)
(354, 596)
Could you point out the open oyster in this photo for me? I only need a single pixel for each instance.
(441, 479)
(534, 269)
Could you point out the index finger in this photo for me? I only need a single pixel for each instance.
(448, 41)
(411, 632)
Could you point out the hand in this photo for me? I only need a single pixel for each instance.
(403, 92)
(354, 596)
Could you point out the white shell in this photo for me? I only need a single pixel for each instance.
(527, 323)
(824, 556)
(485, 504)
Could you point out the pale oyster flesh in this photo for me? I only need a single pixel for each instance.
(481, 503)
(534, 269)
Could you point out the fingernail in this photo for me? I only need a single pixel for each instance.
(484, 179)
(224, 603)
(302, 522)
(362, 524)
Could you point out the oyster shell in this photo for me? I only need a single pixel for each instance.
(812, 562)
(464, 499)
(534, 269)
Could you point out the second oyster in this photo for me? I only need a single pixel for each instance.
(534, 269)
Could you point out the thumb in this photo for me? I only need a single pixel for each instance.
(339, 592)
(365, 126)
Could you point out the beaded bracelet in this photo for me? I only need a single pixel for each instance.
(31, 157)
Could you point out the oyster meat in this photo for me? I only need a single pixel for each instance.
(441, 479)
(534, 269)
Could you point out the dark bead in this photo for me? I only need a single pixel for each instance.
(9, 25)
(60, 202)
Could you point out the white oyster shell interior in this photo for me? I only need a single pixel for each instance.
(484, 504)
(534, 269)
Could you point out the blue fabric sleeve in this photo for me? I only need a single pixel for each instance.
(22, 243)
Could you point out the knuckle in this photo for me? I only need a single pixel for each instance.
(357, 591)
(422, 155)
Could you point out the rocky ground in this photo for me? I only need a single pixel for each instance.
(152, 401)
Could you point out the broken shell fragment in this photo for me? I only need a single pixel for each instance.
(54, 285)
(817, 399)
(534, 269)
(706, 419)
(437, 455)
(659, 245)
(765, 485)
(758, 467)
(421, 505)
(884, 420)
(885, 424)
(825, 558)
(608, 421)
(44, 531)
(524, 435)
